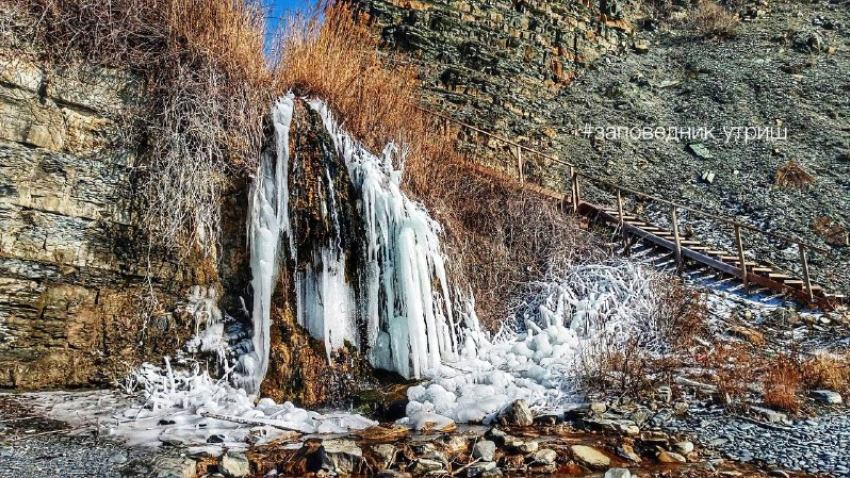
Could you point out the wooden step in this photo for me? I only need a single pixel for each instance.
(761, 269)
(734, 260)
(714, 252)
(779, 276)
(690, 243)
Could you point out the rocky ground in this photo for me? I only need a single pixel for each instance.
(788, 66)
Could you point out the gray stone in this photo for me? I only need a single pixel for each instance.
(341, 456)
(481, 468)
(708, 176)
(545, 456)
(683, 447)
(385, 453)
(235, 465)
(173, 467)
(424, 465)
(484, 450)
(598, 407)
(590, 457)
(517, 445)
(517, 414)
(664, 393)
(772, 416)
(827, 397)
(618, 473)
(626, 451)
(699, 150)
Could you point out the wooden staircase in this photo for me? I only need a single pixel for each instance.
(667, 246)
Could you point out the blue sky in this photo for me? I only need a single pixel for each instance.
(277, 9)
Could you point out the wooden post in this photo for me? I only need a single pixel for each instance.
(576, 196)
(806, 278)
(742, 265)
(519, 164)
(620, 210)
(677, 240)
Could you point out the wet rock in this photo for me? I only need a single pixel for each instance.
(827, 397)
(484, 450)
(517, 414)
(517, 445)
(341, 456)
(479, 469)
(590, 457)
(665, 456)
(235, 465)
(618, 473)
(545, 456)
(424, 465)
(384, 453)
(628, 452)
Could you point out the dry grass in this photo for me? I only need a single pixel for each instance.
(792, 175)
(782, 384)
(710, 19)
(206, 91)
(829, 372)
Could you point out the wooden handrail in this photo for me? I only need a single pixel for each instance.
(597, 180)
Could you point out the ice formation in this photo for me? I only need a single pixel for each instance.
(188, 407)
(398, 308)
(563, 326)
(269, 218)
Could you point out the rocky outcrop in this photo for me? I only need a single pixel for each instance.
(79, 289)
(499, 64)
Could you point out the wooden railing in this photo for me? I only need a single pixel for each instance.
(576, 202)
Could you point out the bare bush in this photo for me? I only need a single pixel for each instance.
(782, 384)
(710, 19)
(206, 91)
(792, 175)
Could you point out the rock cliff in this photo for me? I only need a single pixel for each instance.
(79, 289)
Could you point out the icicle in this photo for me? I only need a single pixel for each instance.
(268, 218)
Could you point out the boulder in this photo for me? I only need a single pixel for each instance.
(517, 414)
(590, 457)
(683, 447)
(484, 450)
(665, 456)
(545, 456)
(235, 465)
(827, 397)
(384, 454)
(170, 467)
(342, 457)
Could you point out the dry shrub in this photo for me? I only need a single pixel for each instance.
(711, 19)
(630, 369)
(792, 175)
(334, 56)
(830, 372)
(782, 384)
(734, 367)
(206, 91)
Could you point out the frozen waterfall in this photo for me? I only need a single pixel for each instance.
(396, 308)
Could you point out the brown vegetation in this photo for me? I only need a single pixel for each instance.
(782, 384)
(206, 91)
(710, 19)
(792, 175)
(830, 372)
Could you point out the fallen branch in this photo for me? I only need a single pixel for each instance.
(251, 421)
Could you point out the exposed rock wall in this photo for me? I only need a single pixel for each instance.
(500, 64)
(75, 305)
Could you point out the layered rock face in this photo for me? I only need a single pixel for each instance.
(75, 300)
(499, 64)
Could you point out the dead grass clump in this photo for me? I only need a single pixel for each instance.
(782, 384)
(792, 175)
(710, 19)
(335, 57)
(206, 90)
(829, 372)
